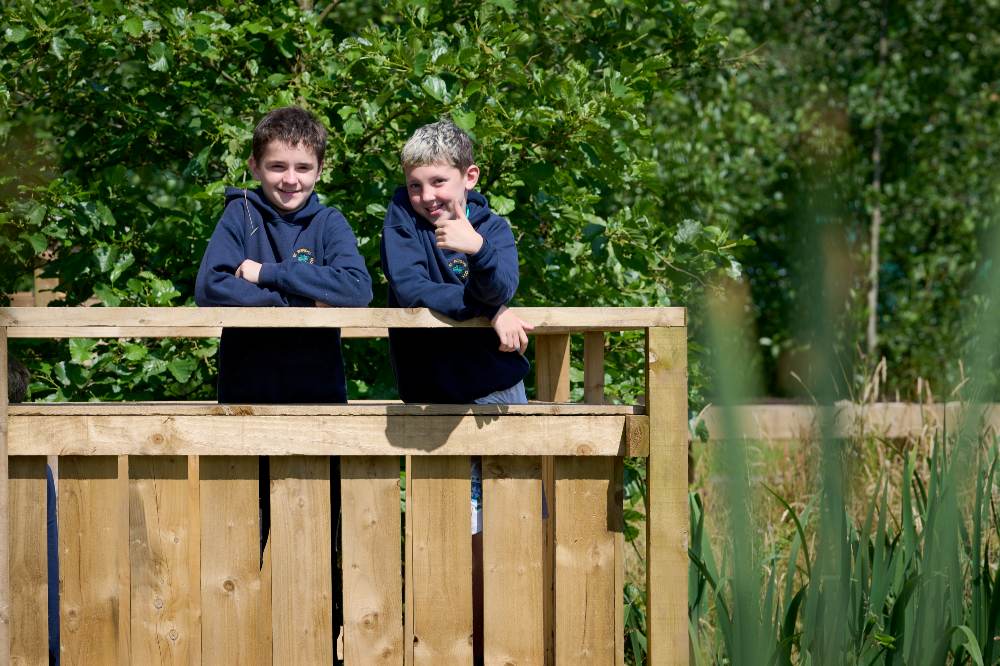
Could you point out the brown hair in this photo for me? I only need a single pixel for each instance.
(292, 125)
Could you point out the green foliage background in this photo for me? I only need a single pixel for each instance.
(122, 123)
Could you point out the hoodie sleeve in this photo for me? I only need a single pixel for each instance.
(493, 271)
(404, 261)
(217, 283)
(341, 280)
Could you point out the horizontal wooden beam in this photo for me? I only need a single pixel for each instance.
(136, 322)
(887, 420)
(356, 408)
(494, 433)
(54, 332)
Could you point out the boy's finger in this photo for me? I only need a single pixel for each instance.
(523, 347)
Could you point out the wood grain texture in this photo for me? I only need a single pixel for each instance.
(327, 435)
(132, 321)
(28, 573)
(105, 332)
(593, 368)
(585, 561)
(667, 473)
(408, 564)
(230, 560)
(359, 408)
(513, 555)
(552, 362)
(123, 555)
(93, 539)
(4, 506)
(373, 583)
(442, 561)
(301, 574)
(163, 609)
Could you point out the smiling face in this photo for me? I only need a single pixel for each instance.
(287, 174)
(435, 190)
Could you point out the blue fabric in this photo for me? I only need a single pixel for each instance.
(514, 395)
(449, 365)
(306, 256)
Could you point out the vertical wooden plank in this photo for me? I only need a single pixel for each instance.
(301, 574)
(667, 472)
(593, 368)
(230, 560)
(442, 561)
(4, 507)
(265, 647)
(373, 603)
(194, 558)
(513, 555)
(593, 393)
(159, 530)
(28, 572)
(408, 566)
(93, 541)
(585, 561)
(552, 367)
(121, 518)
(552, 385)
(617, 516)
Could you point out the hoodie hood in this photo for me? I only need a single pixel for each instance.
(268, 212)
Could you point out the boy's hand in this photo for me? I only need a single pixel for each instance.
(249, 270)
(512, 330)
(457, 233)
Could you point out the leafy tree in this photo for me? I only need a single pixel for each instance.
(124, 123)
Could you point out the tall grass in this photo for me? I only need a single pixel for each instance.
(889, 555)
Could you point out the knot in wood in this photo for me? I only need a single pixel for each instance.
(229, 585)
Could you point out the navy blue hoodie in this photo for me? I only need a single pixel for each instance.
(449, 365)
(307, 255)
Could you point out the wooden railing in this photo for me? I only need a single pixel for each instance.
(159, 533)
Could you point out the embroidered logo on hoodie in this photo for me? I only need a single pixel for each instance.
(459, 267)
(304, 256)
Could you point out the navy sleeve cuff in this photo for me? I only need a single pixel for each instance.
(268, 276)
(484, 256)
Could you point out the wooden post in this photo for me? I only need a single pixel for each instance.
(552, 385)
(667, 522)
(593, 393)
(4, 508)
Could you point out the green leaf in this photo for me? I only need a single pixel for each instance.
(353, 126)
(133, 26)
(159, 57)
(501, 205)
(123, 263)
(464, 119)
(435, 87)
(81, 350)
(59, 47)
(15, 34)
(107, 295)
(106, 256)
(39, 243)
(181, 368)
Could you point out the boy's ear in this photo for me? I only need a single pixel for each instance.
(252, 164)
(471, 177)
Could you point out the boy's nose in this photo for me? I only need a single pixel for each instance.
(288, 176)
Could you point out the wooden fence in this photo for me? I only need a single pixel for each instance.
(159, 542)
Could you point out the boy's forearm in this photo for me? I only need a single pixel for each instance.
(339, 286)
